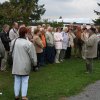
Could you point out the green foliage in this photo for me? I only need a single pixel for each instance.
(56, 24)
(53, 81)
(97, 21)
(97, 12)
(5, 12)
(37, 12)
(21, 10)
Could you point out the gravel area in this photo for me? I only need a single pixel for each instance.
(91, 92)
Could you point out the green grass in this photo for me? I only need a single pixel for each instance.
(53, 81)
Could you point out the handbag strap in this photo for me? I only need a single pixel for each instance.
(13, 45)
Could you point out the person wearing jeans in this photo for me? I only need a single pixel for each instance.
(24, 57)
(17, 85)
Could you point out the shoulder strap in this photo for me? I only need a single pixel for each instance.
(14, 31)
(13, 45)
(63, 34)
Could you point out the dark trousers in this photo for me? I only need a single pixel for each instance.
(43, 60)
(39, 59)
(50, 54)
(89, 64)
(68, 53)
(62, 54)
(39, 62)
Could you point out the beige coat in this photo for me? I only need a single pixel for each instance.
(91, 46)
(38, 44)
(24, 56)
(84, 36)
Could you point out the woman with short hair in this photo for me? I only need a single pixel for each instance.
(24, 56)
(38, 46)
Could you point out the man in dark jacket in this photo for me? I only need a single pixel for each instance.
(5, 37)
(2, 52)
(5, 40)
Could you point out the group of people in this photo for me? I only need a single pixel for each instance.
(33, 49)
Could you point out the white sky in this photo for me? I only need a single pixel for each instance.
(69, 8)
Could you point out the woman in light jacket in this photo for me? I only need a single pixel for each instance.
(84, 35)
(58, 44)
(24, 56)
(71, 38)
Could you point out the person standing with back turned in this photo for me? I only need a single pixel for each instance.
(24, 56)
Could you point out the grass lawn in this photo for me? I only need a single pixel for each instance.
(53, 81)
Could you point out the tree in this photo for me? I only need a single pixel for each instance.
(5, 14)
(97, 12)
(56, 24)
(97, 21)
(38, 11)
(60, 17)
(21, 10)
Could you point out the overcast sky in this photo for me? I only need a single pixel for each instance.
(69, 8)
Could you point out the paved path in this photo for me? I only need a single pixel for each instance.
(91, 92)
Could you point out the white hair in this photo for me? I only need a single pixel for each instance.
(65, 28)
(41, 29)
(49, 28)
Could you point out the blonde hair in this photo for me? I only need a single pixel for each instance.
(5, 26)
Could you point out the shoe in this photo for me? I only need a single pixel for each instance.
(16, 98)
(36, 69)
(57, 62)
(3, 70)
(61, 60)
(25, 99)
(86, 72)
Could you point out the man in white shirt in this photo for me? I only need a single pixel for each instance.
(64, 43)
(13, 33)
